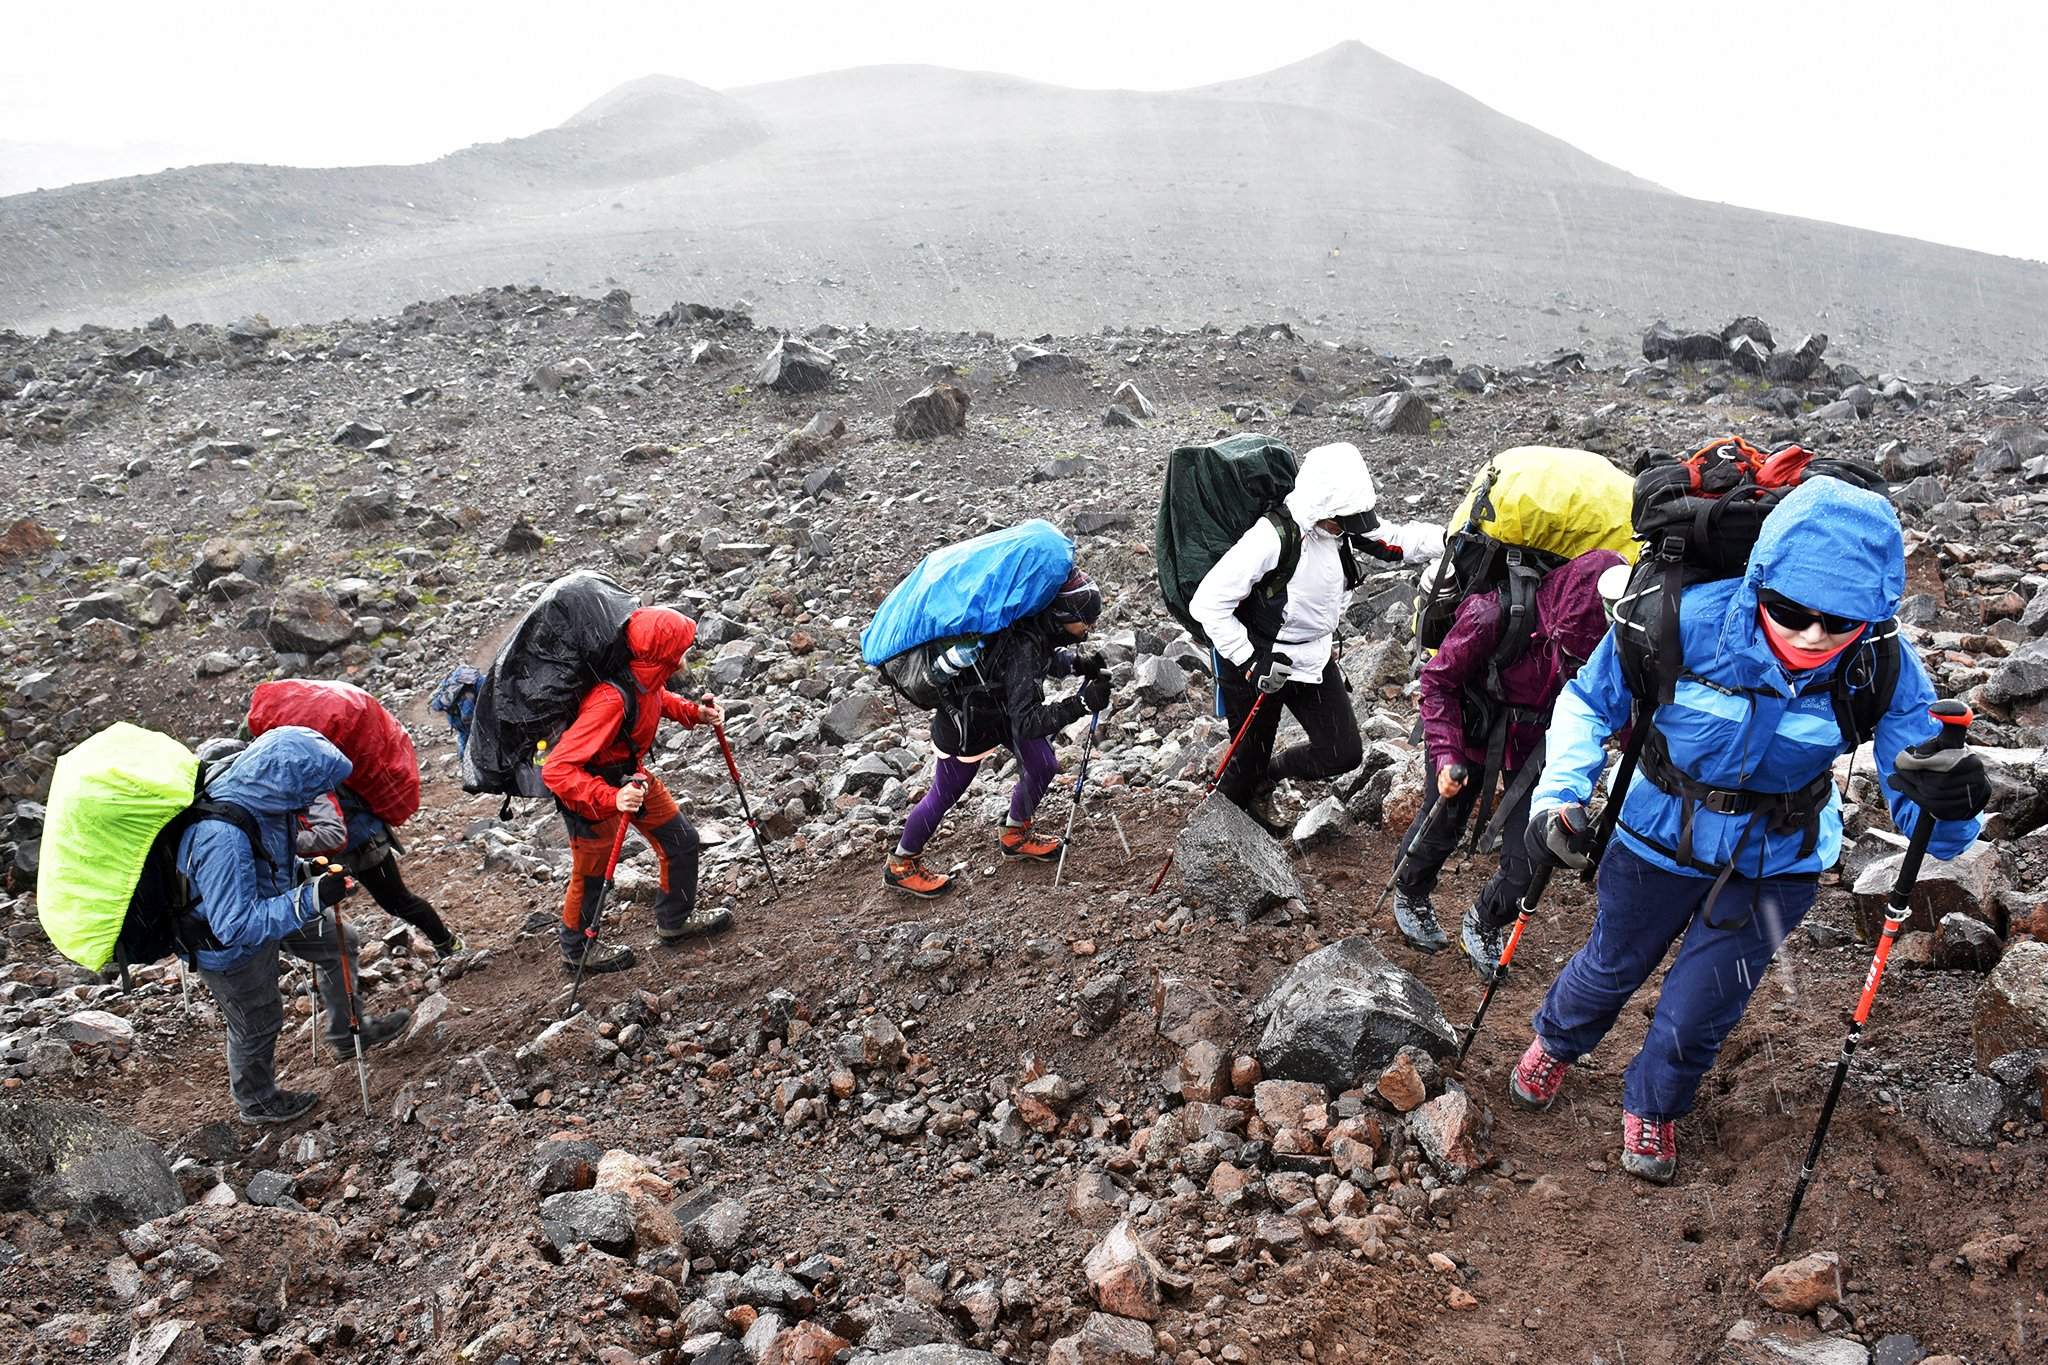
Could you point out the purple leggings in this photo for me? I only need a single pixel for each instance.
(1035, 768)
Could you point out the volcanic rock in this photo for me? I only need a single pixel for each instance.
(2012, 1008)
(937, 410)
(1342, 1013)
(1230, 866)
(61, 1157)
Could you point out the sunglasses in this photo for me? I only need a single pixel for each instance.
(1358, 523)
(1795, 617)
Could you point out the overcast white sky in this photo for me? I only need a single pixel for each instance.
(1925, 119)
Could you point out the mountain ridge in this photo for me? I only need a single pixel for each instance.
(1345, 192)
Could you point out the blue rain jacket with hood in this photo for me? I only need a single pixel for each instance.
(1739, 718)
(245, 901)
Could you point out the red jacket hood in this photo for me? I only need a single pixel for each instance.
(658, 638)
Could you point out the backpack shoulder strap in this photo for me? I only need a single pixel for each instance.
(1864, 683)
(629, 713)
(1290, 552)
(228, 813)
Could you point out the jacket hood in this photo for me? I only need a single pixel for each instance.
(281, 772)
(658, 638)
(1569, 611)
(1332, 482)
(1828, 545)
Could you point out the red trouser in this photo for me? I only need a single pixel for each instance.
(661, 823)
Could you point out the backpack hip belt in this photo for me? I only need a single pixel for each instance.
(1782, 812)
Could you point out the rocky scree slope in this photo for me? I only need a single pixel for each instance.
(1081, 1124)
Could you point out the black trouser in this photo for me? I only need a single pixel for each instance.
(1429, 852)
(1324, 709)
(382, 880)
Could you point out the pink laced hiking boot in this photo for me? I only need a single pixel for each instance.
(1537, 1079)
(1649, 1150)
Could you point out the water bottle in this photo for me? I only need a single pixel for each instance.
(950, 663)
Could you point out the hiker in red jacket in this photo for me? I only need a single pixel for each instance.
(589, 771)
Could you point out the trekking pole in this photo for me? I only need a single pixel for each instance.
(1955, 721)
(1217, 777)
(313, 1027)
(348, 995)
(604, 889)
(1407, 852)
(1539, 882)
(1080, 781)
(746, 811)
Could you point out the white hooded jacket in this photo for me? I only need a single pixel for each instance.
(1332, 482)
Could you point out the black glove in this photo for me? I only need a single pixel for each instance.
(333, 887)
(1267, 669)
(1947, 783)
(1563, 836)
(1095, 693)
(1090, 664)
(1378, 549)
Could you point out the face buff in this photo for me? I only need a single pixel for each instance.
(1794, 657)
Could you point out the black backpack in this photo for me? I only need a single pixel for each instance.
(1698, 520)
(163, 914)
(571, 640)
(928, 675)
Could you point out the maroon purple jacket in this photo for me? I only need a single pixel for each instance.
(1569, 621)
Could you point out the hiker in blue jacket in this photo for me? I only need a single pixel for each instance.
(1702, 854)
(253, 904)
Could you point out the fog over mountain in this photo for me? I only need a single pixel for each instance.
(1345, 193)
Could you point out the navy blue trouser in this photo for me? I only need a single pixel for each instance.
(1643, 910)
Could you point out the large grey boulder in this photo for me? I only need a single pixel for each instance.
(935, 1353)
(1797, 364)
(2012, 1009)
(1402, 414)
(851, 717)
(307, 620)
(1025, 358)
(56, 1156)
(1342, 1012)
(600, 1217)
(794, 366)
(937, 410)
(2021, 676)
(1230, 866)
(1967, 884)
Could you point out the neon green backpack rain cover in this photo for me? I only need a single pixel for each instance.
(109, 799)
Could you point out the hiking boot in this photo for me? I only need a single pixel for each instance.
(282, 1107)
(697, 925)
(1019, 842)
(1649, 1150)
(1537, 1078)
(377, 1030)
(1260, 807)
(910, 874)
(1416, 919)
(598, 958)
(452, 945)
(1483, 943)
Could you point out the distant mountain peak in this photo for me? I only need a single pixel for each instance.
(647, 94)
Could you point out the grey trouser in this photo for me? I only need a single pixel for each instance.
(249, 1002)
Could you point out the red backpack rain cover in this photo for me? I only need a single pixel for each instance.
(387, 770)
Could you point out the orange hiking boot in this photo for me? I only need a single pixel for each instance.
(1019, 842)
(910, 874)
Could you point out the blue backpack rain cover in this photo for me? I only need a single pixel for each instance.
(976, 587)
